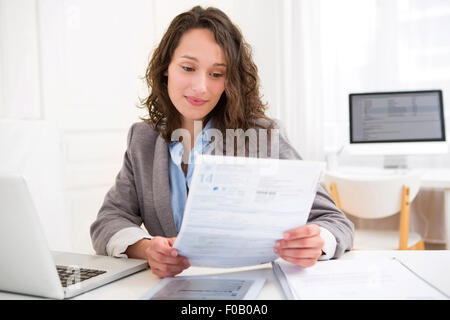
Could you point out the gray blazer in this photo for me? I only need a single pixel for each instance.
(141, 194)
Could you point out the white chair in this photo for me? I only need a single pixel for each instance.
(375, 195)
(33, 148)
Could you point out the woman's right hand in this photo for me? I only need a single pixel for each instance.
(163, 259)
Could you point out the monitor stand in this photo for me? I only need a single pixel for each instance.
(395, 162)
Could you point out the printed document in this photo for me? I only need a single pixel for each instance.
(371, 279)
(206, 288)
(238, 207)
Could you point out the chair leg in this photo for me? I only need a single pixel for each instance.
(404, 219)
(334, 194)
(420, 245)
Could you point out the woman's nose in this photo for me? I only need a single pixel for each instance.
(199, 83)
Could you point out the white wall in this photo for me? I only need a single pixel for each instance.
(19, 60)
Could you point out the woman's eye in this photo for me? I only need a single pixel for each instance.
(216, 75)
(188, 69)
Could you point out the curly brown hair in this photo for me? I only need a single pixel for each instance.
(240, 104)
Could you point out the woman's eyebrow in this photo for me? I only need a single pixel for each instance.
(196, 60)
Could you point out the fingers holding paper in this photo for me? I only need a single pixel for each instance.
(163, 259)
(301, 246)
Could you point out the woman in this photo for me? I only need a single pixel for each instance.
(201, 72)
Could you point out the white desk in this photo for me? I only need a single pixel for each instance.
(431, 265)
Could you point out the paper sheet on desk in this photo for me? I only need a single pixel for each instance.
(384, 278)
(238, 207)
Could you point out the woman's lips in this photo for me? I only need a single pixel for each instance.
(195, 101)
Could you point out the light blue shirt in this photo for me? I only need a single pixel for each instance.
(178, 181)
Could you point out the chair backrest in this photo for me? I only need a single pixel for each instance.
(372, 195)
(33, 148)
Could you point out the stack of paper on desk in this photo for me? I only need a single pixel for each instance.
(238, 207)
(373, 279)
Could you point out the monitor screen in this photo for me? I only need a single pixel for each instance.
(386, 117)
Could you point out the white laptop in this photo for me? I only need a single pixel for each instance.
(27, 264)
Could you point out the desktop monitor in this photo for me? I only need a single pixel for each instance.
(397, 124)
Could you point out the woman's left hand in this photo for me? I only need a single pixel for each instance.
(301, 246)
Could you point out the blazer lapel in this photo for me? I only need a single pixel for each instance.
(161, 187)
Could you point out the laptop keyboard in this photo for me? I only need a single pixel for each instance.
(71, 275)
